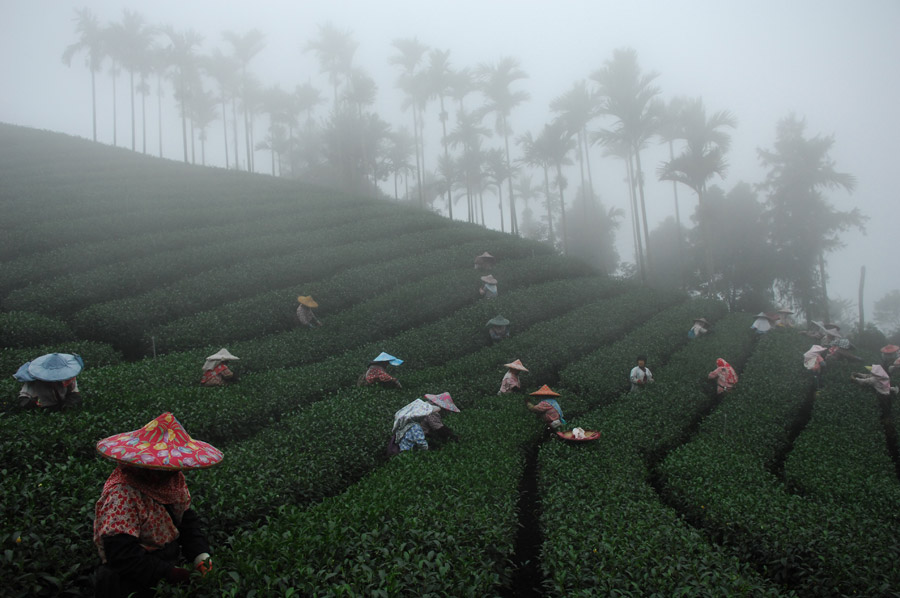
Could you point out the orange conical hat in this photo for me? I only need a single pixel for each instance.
(516, 365)
(544, 391)
(307, 300)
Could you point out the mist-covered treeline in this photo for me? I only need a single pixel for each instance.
(756, 245)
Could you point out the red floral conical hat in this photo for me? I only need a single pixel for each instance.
(544, 391)
(162, 443)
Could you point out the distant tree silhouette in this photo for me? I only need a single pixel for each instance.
(91, 43)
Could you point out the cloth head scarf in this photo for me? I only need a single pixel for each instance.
(730, 374)
(410, 415)
(810, 357)
(216, 358)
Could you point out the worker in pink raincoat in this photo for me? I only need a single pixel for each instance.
(724, 375)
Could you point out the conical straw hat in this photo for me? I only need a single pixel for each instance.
(544, 391)
(307, 300)
(162, 443)
(489, 279)
(516, 365)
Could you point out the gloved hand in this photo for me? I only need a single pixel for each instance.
(178, 576)
(203, 563)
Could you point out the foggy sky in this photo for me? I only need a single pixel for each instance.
(832, 62)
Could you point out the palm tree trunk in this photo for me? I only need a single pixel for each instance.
(635, 224)
(225, 130)
(159, 111)
(446, 157)
(418, 164)
(131, 80)
(587, 161)
(549, 212)
(513, 221)
(183, 117)
(115, 119)
(707, 244)
(562, 205)
(144, 91)
(640, 180)
(94, 101)
(234, 127)
(825, 309)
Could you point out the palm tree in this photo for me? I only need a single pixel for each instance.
(627, 95)
(615, 146)
(203, 113)
(276, 103)
(468, 134)
(243, 49)
(556, 145)
(223, 69)
(494, 82)
(130, 43)
(91, 42)
(410, 56)
(702, 158)
(400, 150)
(181, 55)
(360, 93)
(576, 108)
(497, 171)
(335, 50)
(440, 84)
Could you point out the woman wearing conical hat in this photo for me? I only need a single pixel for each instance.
(305, 311)
(877, 378)
(510, 382)
(420, 420)
(215, 370)
(485, 261)
(144, 527)
(48, 382)
(700, 327)
(548, 407)
(377, 373)
(763, 323)
(488, 288)
(497, 328)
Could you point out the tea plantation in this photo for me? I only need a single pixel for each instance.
(145, 266)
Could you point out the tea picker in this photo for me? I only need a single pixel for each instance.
(144, 527)
(49, 382)
(305, 311)
(498, 328)
(548, 408)
(510, 381)
(377, 373)
(419, 420)
(216, 371)
(488, 289)
(724, 375)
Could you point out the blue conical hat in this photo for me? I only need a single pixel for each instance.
(55, 367)
(389, 358)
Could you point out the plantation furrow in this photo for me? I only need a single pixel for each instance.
(33, 268)
(275, 310)
(240, 410)
(64, 296)
(607, 533)
(722, 483)
(842, 455)
(482, 522)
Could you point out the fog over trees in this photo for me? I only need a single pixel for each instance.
(454, 139)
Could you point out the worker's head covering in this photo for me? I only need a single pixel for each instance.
(544, 391)
(52, 367)
(516, 365)
(483, 257)
(161, 444)
(218, 357)
(443, 401)
(489, 279)
(498, 321)
(785, 310)
(830, 326)
(702, 321)
(387, 358)
(307, 300)
(406, 416)
(763, 314)
(890, 349)
(814, 349)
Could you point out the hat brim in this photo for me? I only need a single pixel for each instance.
(55, 367)
(161, 444)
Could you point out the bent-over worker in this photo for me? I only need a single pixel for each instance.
(305, 311)
(144, 527)
(419, 420)
(377, 373)
(49, 382)
(510, 382)
(548, 407)
(216, 371)
(725, 375)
